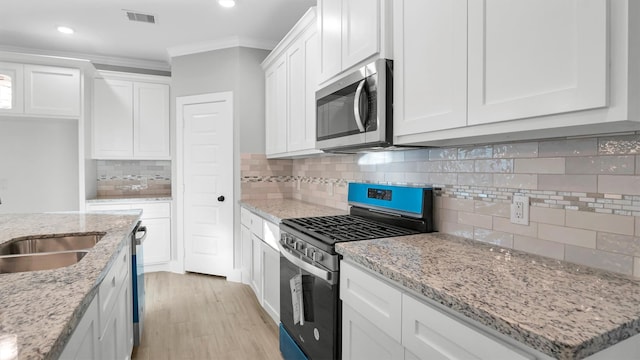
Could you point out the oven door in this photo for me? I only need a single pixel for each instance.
(317, 333)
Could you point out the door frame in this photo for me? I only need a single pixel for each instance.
(181, 101)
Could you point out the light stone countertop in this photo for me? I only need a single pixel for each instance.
(564, 310)
(40, 309)
(275, 210)
(120, 199)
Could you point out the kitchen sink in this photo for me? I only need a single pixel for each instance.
(54, 243)
(41, 261)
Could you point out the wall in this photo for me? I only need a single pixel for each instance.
(585, 193)
(38, 165)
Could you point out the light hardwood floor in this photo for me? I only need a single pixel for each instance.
(195, 316)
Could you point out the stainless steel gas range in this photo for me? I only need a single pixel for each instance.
(310, 307)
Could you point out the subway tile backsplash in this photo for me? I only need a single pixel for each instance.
(585, 193)
(133, 178)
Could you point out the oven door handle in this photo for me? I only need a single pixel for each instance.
(327, 276)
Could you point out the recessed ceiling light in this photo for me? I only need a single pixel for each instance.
(227, 3)
(65, 30)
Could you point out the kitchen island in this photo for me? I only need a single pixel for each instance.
(39, 310)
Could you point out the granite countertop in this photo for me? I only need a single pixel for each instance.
(40, 309)
(275, 210)
(564, 310)
(120, 199)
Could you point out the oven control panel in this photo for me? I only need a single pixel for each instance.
(380, 194)
(308, 252)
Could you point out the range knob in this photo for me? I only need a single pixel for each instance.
(316, 256)
(298, 245)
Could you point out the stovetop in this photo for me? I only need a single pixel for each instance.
(341, 228)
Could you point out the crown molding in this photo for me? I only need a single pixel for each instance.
(225, 43)
(100, 59)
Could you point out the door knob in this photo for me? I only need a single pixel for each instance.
(221, 198)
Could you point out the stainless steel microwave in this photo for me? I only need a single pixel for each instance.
(356, 112)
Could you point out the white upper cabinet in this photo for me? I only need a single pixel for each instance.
(430, 66)
(536, 57)
(493, 70)
(38, 90)
(351, 32)
(290, 85)
(130, 118)
(52, 91)
(11, 88)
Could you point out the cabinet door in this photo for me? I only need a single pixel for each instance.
(151, 121)
(380, 303)
(83, 343)
(361, 339)
(430, 65)
(430, 334)
(276, 107)
(11, 88)
(330, 33)
(271, 281)
(256, 267)
(301, 80)
(52, 91)
(360, 30)
(112, 119)
(157, 245)
(536, 57)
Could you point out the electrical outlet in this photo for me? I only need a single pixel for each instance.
(520, 210)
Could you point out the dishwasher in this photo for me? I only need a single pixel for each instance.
(137, 277)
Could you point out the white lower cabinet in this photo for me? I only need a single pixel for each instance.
(106, 329)
(382, 321)
(260, 260)
(361, 339)
(156, 216)
(83, 344)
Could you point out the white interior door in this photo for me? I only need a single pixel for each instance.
(207, 163)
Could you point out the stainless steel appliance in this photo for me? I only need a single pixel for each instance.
(356, 111)
(310, 307)
(137, 277)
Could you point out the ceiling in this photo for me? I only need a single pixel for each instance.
(104, 34)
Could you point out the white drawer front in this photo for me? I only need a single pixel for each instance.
(256, 225)
(107, 207)
(271, 233)
(428, 333)
(245, 217)
(153, 210)
(376, 301)
(110, 286)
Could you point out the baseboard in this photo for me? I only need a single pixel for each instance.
(235, 276)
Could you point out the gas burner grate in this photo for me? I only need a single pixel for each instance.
(341, 228)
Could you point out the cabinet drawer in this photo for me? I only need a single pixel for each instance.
(271, 234)
(256, 226)
(245, 217)
(107, 207)
(110, 286)
(153, 210)
(429, 334)
(375, 300)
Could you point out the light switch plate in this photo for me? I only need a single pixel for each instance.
(520, 210)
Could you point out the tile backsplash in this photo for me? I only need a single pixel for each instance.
(585, 193)
(133, 178)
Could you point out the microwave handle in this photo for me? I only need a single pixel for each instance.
(356, 106)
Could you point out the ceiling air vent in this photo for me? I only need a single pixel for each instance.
(140, 17)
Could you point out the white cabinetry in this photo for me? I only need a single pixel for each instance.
(83, 343)
(491, 70)
(156, 216)
(352, 32)
(39, 90)
(131, 117)
(290, 85)
(261, 260)
(106, 329)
